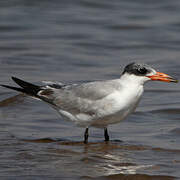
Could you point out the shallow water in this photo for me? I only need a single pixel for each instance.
(77, 41)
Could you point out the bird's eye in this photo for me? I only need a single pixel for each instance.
(142, 70)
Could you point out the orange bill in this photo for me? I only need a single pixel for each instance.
(162, 77)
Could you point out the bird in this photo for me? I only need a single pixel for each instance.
(96, 103)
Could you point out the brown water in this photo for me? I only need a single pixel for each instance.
(77, 41)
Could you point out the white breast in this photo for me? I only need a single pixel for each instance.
(114, 108)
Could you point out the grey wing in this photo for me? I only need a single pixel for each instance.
(77, 99)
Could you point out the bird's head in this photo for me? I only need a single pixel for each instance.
(143, 73)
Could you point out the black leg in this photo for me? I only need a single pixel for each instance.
(106, 136)
(86, 136)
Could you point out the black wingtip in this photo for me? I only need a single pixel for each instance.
(14, 78)
(14, 88)
(22, 83)
(29, 87)
(25, 87)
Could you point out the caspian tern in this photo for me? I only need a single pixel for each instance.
(98, 103)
